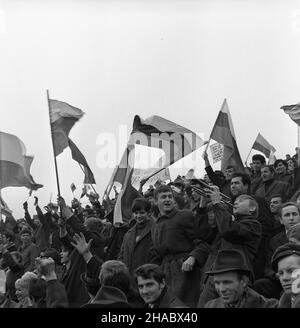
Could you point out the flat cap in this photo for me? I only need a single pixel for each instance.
(284, 251)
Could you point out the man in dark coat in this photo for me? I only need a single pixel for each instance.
(137, 243)
(240, 184)
(241, 231)
(40, 227)
(151, 281)
(256, 181)
(28, 250)
(271, 186)
(177, 248)
(231, 278)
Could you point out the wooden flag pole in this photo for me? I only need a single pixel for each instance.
(248, 156)
(207, 145)
(53, 146)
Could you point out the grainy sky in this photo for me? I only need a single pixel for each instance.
(114, 59)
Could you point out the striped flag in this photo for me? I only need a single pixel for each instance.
(175, 140)
(122, 210)
(293, 111)
(262, 145)
(15, 164)
(223, 133)
(80, 159)
(62, 118)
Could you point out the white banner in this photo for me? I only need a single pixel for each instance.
(216, 152)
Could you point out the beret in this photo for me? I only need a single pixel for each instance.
(284, 251)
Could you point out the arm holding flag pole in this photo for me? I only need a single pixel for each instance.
(55, 162)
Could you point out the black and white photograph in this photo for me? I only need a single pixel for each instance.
(149, 157)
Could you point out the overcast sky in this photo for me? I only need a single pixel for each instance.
(114, 59)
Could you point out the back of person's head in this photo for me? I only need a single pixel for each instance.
(161, 189)
(293, 234)
(37, 291)
(93, 224)
(26, 278)
(9, 235)
(150, 271)
(115, 274)
(258, 157)
(141, 204)
(179, 200)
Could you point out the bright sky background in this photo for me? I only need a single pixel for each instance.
(114, 59)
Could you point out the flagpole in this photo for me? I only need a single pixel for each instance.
(55, 162)
(248, 156)
(88, 183)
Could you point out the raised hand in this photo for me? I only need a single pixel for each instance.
(80, 243)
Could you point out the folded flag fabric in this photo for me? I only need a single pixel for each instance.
(62, 118)
(15, 164)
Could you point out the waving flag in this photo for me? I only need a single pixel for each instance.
(293, 111)
(79, 158)
(175, 140)
(262, 145)
(62, 118)
(223, 133)
(15, 164)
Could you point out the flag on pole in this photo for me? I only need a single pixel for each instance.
(78, 157)
(62, 118)
(262, 145)
(15, 164)
(157, 132)
(293, 111)
(223, 133)
(122, 210)
(174, 140)
(5, 210)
